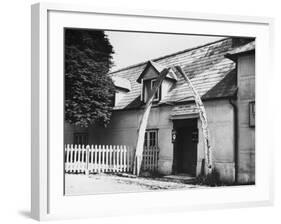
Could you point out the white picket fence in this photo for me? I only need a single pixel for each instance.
(106, 158)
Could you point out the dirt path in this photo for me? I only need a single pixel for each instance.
(79, 184)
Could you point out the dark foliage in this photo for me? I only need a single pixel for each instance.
(89, 91)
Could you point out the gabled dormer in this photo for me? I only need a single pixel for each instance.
(148, 79)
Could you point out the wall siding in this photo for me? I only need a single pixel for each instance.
(221, 124)
(246, 135)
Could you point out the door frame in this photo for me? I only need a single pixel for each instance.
(189, 123)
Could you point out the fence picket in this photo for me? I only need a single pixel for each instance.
(122, 159)
(96, 158)
(67, 158)
(106, 158)
(71, 160)
(99, 159)
(102, 157)
(125, 161)
(128, 160)
(66, 162)
(92, 159)
(74, 159)
(72, 156)
(156, 158)
(117, 158)
(113, 158)
(110, 159)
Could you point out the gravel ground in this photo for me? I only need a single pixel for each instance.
(80, 184)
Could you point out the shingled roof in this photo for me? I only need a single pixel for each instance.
(212, 74)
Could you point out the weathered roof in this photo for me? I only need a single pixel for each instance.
(212, 74)
(122, 83)
(226, 87)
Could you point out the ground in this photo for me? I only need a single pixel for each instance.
(81, 184)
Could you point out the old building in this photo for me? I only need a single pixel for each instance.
(223, 72)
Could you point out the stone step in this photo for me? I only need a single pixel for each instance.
(179, 178)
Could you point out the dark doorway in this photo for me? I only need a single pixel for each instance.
(185, 146)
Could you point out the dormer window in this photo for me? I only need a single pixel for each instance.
(148, 80)
(122, 87)
(147, 86)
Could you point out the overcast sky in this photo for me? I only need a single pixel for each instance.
(133, 47)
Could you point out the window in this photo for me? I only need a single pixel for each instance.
(80, 138)
(157, 95)
(147, 86)
(151, 138)
(252, 114)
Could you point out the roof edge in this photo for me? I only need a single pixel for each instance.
(233, 96)
(233, 57)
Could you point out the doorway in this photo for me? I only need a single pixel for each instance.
(185, 147)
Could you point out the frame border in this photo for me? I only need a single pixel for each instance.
(39, 88)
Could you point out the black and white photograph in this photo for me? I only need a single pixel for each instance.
(157, 111)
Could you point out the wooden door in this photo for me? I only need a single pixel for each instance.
(186, 151)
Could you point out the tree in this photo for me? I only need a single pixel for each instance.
(89, 91)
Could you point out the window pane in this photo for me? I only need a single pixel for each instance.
(153, 83)
(145, 140)
(152, 138)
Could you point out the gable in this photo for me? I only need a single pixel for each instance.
(153, 70)
(150, 73)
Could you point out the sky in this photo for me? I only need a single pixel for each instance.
(135, 47)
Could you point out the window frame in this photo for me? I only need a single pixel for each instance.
(81, 134)
(147, 137)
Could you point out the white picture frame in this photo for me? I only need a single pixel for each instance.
(48, 201)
